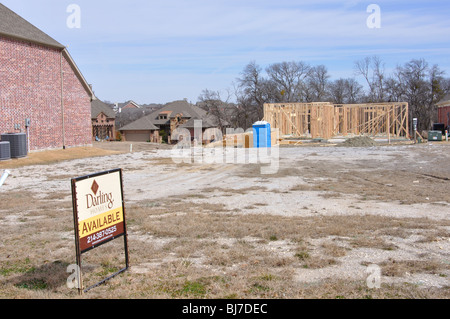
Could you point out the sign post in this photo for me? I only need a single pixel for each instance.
(415, 129)
(99, 215)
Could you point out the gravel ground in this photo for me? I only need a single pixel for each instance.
(398, 181)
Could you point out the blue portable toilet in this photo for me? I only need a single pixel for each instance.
(261, 134)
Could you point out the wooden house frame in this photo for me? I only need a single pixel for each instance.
(327, 120)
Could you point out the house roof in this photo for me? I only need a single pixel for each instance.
(187, 110)
(445, 101)
(122, 105)
(143, 123)
(98, 107)
(184, 115)
(13, 25)
(179, 107)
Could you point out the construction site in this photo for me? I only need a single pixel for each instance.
(330, 217)
(326, 120)
(327, 123)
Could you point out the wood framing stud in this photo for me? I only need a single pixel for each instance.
(327, 120)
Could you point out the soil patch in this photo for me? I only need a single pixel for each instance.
(359, 141)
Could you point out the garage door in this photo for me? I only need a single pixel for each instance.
(137, 136)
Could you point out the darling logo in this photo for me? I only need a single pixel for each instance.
(99, 198)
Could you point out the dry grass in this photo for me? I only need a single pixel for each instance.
(222, 254)
(198, 224)
(183, 247)
(397, 268)
(54, 156)
(372, 181)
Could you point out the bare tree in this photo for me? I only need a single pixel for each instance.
(318, 83)
(395, 91)
(372, 70)
(252, 91)
(129, 115)
(345, 91)
(246, 113)
(337, 91)
(216, 107)
(354, 91)
(422, 88)
(288, 80)
(415, 82)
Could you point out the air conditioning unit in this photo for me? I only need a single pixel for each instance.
(5, 151)
(18, 144)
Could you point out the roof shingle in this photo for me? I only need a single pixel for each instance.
(13, 25)
(98, 107)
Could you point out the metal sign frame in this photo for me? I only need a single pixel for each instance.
(105, 235)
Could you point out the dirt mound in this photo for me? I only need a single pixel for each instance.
(359, 141)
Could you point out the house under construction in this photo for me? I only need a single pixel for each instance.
(327, 120)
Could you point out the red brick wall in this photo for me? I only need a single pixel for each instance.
(30, 87)
(443, 116)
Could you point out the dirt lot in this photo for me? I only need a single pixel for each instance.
(316, 228)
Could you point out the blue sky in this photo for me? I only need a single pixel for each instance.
(160, 51)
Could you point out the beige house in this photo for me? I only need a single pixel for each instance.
(160, 125)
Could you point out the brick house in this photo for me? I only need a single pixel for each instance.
(160, 125)
(103, 121)
(40, 81)
(444, 112)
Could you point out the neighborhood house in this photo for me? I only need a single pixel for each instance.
(444, 112)
(103, 121)
(168, 124)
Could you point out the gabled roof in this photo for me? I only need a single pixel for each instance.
(121, 105)
(143, 123)
(98, 107)
(178, 107)
(13, 25)
(173, 108)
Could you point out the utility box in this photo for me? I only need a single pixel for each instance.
(18, 143)
(434, 136)
(261, 134)
(5, 151)
(439, 127)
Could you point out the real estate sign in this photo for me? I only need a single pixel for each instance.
(98, 207)
(99, 212)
